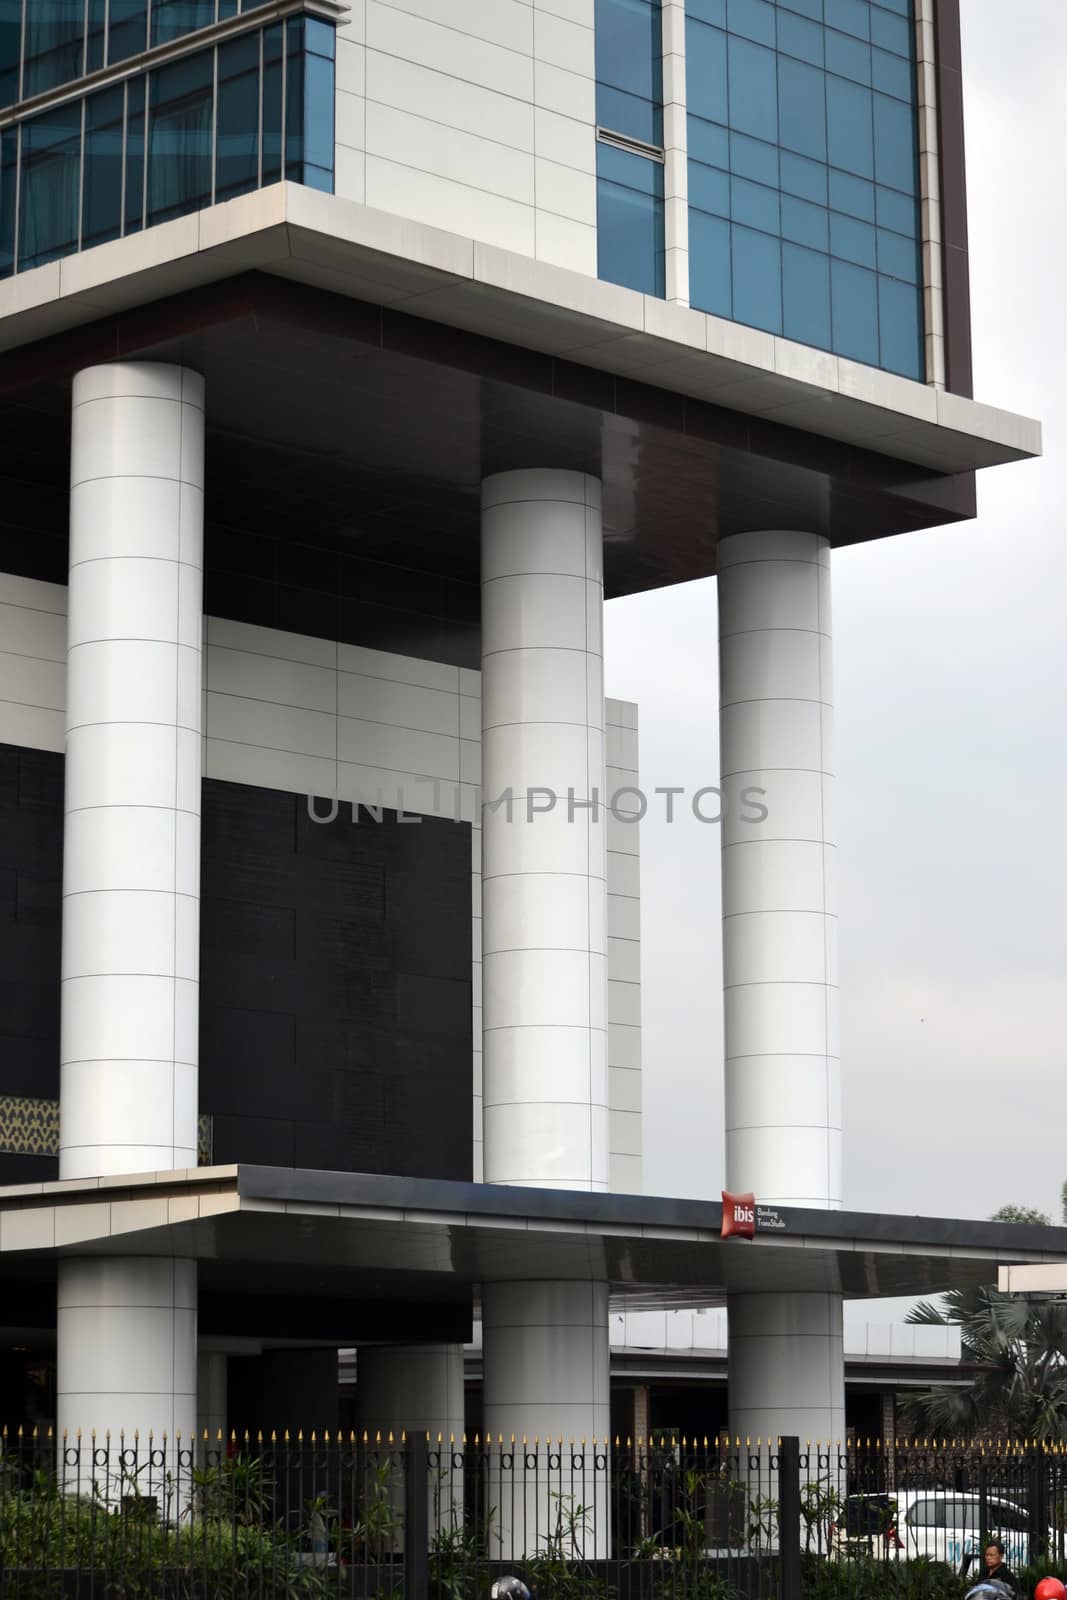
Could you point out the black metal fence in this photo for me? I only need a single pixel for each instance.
(434, 1519)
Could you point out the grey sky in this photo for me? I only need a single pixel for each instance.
(951, 666)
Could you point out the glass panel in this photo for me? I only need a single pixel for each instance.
(753, 19)
(894, 144)
(709, 264)
(171, 19)
(708, 143)
(891, 33)
(709, 189)
(854, 196)
(898, 257)
(102, 175)
(851, 16)
(897, 211)
(705, 56)
(892, 74)
(754, 205)
(855, 312)
(753, 89)
(625, 113)
(901, 7)
(237, 133)
(805, 224)
(801, 95)
(852, 240)
(135, 125)
(848, 57)
(628, 47)
(850, 137)
(630, 220)
(179, 138)
(804, 178)
(713, 11)
(272, 104)
(54, 44)
(294, 100)
(9, 142)
(96, 38)
(227, 8)
(127, 33)
(51, 172)
(10, 50)
(751, 158)
(757, 272)
(320, 38)
(810, 8)
(805, 296)
(318, 178)
(800, 38)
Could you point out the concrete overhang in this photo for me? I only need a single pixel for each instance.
(1049, 1277)
(275, 1228)
(321, 240)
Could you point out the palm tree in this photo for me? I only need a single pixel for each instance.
(1018, 1343)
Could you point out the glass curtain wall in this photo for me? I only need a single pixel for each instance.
(629, 111)
(196, 131)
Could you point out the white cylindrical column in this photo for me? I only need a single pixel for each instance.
(547, 1379)
(131, 842)
(131, 878)
(417, 1389)
(544, 853)
(211, 1401)
(780, 1001)
(544, 933)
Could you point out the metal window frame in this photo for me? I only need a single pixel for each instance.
(632, 146)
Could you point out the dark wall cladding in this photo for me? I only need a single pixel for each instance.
(335, 1023)
(31, 868)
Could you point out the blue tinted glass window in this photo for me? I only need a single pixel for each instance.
(897, 211)
(751, 158)
(891, 74)
(852, 240)
(753, 89)
(8, 183)
(709, 264)
(629, 68)
(895, 154)
(172, 18)
(805, 224)
(237, 135)
(10, 49)
(127, 33)
(49, 205)
(889, 32)
(179, 138)
(705, 56)
(294, 100)
(850, 16)
(757, 269)
(102, 177)
(754, 205)
(708, 143)
(853, 196)
(850, 136)
(319, 100)
(133, 208)
(801, 93)
(855, 311)
(752, 19)
(630, 220)
(900, 321)
(806, 179)
(272, 104)
(801, 38)
(848, 57)
(96, 35)
(713, 11)
(709, 189)
(808, 8)
(898, 257)
(806, 296)
(54, 43)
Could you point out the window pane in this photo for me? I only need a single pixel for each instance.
(804, 178)
(848, 57)
(709, 264)
(173, 18)
(102, 178)
(10, 50)
(708, 143)
(272, 104)
(900, 316)
(803, 109)
(620, 112)
(705, 73)
(55, 41)
(810, 8)
(630, 220)
(135, 164)
(50, 190)
(898, 257)
(891, 74)
(179, 140)
(849, 134)
(757, 272)
(855, 312)
(805, 224)
(800, 38)
(237, 136)
(753, 89)
(709, 189)
(96, 37)
(897, 211)
(890, 33)
(852, 240)
(753, 19)
(854, 196)
(805, 296)
(751, 158)
(127, 32)
(9, 140)
(754, 205)
(850, 16)
(894, 144)
(294, 100)
(628, 47)
(713, 11)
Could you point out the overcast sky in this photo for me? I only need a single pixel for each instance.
(951, 671)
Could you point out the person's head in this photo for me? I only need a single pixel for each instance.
(994, 1555)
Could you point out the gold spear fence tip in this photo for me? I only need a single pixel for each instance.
(513, 1441)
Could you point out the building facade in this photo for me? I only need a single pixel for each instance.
(350, 358)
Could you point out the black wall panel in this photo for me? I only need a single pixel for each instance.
(31, 870)
(335, 1022)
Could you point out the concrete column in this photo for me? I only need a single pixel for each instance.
(417, 1389)
(211, 1381)
(782, 1069)
(544, 932)
(131, 874)
(544, 857)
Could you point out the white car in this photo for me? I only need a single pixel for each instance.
(942, 1524)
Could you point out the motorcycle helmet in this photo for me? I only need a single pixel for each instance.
(989, 1589)
(509, 1588)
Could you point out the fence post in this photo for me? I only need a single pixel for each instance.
(789, 1516)
(416, 1518)
(1039, 1510)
